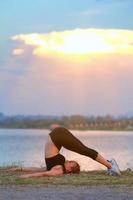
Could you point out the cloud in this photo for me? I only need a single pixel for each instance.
(18, 51)
(91, 12)
(100, 8)
(85, 71)
(78, 42)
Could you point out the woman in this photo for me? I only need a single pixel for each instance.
(56, 163)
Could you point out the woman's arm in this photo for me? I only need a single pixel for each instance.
(26, 169)
(55, 171)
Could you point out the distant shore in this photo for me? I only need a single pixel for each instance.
(72, 122)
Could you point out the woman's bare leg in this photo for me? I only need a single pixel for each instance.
(103, 161)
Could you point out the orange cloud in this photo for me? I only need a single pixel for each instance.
(18, 51)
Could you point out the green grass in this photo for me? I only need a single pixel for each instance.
(91, 178)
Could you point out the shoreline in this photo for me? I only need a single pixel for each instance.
(92, 185)
(113, 130)
(85, 178)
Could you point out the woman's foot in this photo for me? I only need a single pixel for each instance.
(114, 170)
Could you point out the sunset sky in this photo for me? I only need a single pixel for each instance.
(66, 57)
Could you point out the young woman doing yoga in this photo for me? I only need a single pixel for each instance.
(56, 163)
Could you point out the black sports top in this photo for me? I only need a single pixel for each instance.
(55, 160)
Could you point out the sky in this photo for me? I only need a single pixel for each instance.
(66, 57)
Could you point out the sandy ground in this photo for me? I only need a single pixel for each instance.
(66, 193)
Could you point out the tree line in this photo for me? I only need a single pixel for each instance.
(74, 122)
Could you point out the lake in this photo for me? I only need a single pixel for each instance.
(26, 147)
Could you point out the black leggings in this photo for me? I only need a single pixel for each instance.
(61, 137)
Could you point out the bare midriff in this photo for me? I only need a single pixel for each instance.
(50, 148)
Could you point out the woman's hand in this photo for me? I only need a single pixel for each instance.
(14, 169)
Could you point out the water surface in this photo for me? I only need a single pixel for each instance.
(27, 147)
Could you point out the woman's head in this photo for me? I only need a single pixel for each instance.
(72, 167)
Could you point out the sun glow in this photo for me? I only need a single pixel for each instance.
(79, 42)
